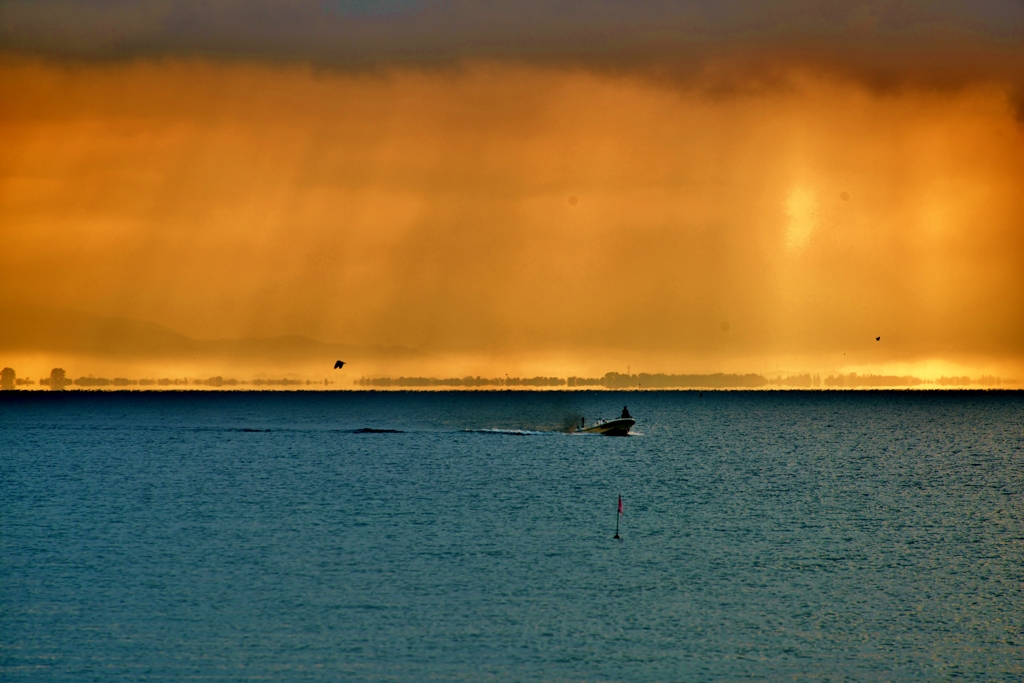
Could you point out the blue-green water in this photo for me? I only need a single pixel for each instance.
(259, 536)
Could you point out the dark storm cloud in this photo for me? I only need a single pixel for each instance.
(883, 42)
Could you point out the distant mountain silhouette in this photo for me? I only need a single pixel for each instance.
(63, 331)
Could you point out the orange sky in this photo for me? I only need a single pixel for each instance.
(506, 217)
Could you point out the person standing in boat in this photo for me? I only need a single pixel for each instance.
(625, 412)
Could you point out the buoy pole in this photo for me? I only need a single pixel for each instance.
(618, 514)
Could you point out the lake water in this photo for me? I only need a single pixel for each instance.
(773, 536)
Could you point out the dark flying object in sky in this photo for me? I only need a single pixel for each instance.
(338, 364)
(878, 339)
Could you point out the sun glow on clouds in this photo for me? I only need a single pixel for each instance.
(801, 217)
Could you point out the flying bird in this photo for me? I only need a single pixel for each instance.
(339, 364)
(878, 339)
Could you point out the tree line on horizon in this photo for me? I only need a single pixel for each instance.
(58, 381)
(615, 380)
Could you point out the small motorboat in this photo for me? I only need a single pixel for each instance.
(620, 426)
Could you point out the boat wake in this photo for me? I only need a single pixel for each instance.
(507, 432)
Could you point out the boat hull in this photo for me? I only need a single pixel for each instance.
(618, 427)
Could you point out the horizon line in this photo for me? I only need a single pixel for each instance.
(610, 381)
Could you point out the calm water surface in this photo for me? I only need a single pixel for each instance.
(261, 536)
